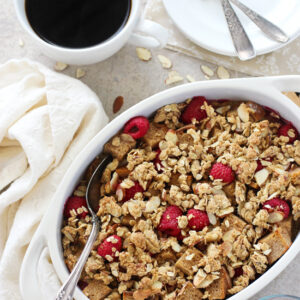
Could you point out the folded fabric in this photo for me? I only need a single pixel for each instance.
(46, 119)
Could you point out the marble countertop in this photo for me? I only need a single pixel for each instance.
(125, 75)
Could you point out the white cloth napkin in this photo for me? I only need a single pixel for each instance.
(46, 119)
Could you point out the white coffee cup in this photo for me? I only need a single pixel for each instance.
(140, 32)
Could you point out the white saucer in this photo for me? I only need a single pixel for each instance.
(203, 22)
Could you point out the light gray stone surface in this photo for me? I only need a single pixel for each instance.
(125, 75)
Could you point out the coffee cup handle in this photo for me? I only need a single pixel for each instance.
(149, 34)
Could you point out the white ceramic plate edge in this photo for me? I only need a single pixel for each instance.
(219, 50)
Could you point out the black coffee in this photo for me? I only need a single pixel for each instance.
(77, 23)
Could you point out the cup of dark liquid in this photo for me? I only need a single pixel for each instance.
(87, 31)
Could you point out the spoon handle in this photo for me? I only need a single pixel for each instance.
(241, 42)
(270, 29)
(67, 290)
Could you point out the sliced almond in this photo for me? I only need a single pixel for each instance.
(228, 236)
(211, 237)
(173, 77)
(171, 136)
(267, 252)
(207, 70)
(60, 66)
(114, 181)
(223, 109)
(212, 218)
(208, 280)
(80, 73)
(120, 193)
(165, 62)
(190, 78)
(199, 277)
(107, 188)
(275, 217)
(157, 285)
(143, 54)
(261, 176)
(186, 127)
(222, 73)
(152, 204)
(226, 248)
(243, 112)
(175, 246)
(118, 103)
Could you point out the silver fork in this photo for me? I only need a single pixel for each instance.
(240, 39)
(270, 29)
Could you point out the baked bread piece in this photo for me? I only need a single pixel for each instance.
(218, 289)
(188, 291)
(96, 290)
(279, 242)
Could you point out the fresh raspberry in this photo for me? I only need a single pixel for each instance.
(75, 203)
(277, 204)
(137, 127)
(238, 272)
(129, 193)
(110, 246)
(169, 221)
(157, 162)
(198, 219)
(194, 111)
(259, 166)
(220, 171)
(290, 131)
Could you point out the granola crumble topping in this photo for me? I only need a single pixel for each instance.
(170, 166)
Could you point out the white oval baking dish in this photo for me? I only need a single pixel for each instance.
(265, 91)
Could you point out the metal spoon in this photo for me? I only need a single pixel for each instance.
(270, 29)
(241, 41)
(92, 198)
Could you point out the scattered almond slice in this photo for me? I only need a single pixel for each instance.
(222, 73)
(21, 42)
(143, 54)
(275, 217)
(80, 73)
(190, 78)
(165, 62)
(173, 77)
(60, 66)
(207, 77)
(118, 103)
(243, 112)
(261, 176)
(207, 70)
